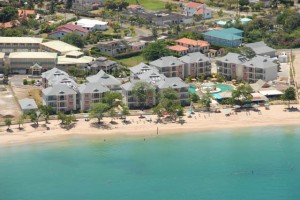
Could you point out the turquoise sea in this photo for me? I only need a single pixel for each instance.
(256, 164)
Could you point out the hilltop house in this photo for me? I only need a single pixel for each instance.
(63, 30)
(194, 8)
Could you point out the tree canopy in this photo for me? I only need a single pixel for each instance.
(98, 110)
(8, 13)
(142, 90)
(169, 101)
(156, 50)
(289, 95)
(74, 39)
(242, 94)
(112, 99)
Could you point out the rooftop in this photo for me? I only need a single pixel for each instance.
(227, 34)
(188, 41)
(178, 48)
(32, 55)
(27, 104)
(166, 62)
(60, 46)
(72, 27)
(194, 57)
(193, 5)
(20, 40)
(90, 23)
(92, 88)
(103, 78)
(59, 89)
(260, 47)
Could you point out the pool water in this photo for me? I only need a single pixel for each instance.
(192, 89)
(223, 87)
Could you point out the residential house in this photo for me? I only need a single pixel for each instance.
(196, 64)
(135, 7)
(20, 44)
(180, 50)
(57, 46)
(61, 97)
(137, 46)
(61, 31)
(194, 45)
(73, 59)
(102, 63)
(230, 37)
(235, 66)
(262, 49)
(85, 5)
(21, 62)
(105, 79)
(25, 14)
(194, 8)
(169, 66)
(90, 93)
(92, 24)
(112, 47)
(265, 3)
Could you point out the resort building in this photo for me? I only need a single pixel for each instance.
(262, 49)
(194, 8)
(73, 59)
(90, 93)
(105, 79)
(61, 97)
(194, 45)
(52, 74)
(235, 66)
(20, 44)
(196, 64)
(230, 37)
(169, 66)
(102, 63)
(139, 69)
(59, 47)
(180, 50)
(92, 24)
(21, 62)
(61, 31)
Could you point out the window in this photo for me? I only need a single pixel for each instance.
(86, 95)
(70, 96)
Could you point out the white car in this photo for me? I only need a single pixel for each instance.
(37, 83)
(1, 75)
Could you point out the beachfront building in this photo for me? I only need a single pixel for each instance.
(73, 59)
(61, 31)
(105, 79)
(57, 46)
(92, 24)
(169, 66)
(52, 74)
(196, 64)
(90, 93)
(139, 69)
(194, 8)
(20, 44)
(230, 37)
(61, 97)
(21, 62)
(262, 49)
(235, 66)
(102, 63)
(28, 105)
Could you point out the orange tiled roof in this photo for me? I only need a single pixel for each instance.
(188, 41)
(200, 11)
(9, 24)
(178, 48)
(193, 5)
(25, 13)
(133, 6)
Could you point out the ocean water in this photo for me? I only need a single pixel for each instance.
(259, 163)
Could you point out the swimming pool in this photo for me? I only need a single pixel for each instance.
(192, 89)
(222, 87)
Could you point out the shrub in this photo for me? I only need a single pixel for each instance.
(25, 82)
(32, 82)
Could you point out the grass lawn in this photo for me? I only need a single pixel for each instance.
(149, 4)
(132, 61)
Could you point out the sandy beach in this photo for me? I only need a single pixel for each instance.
(141, 127)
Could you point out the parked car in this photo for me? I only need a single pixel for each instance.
(37, 83)
(1, 75)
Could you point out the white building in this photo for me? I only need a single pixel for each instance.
(193, 8)
(92, 24)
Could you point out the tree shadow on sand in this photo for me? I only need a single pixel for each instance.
(101, 125)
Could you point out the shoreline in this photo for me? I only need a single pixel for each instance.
(200, 122)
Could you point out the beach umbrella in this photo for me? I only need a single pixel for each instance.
(267, 104)
(227, 111)
(255, 106)
(236, 106)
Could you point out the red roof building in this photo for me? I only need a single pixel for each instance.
(61, 31)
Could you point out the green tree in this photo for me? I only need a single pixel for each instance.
(125, 111)
(205, 100)
(116, 6)
(69, 120)
(244, 2)
(170, 6)
(158, 110)
(62, 117)
(289, 95)
(142, 90)
(68, 4)
(242, 94)
(169, 101)
(112, 99)
(20, 120)
(8, 122)
(98, 110)
(112, 113)
(154, 33)
(52, 7)
(30, 5)
(46, 111)
(74, 39)
(248, 52)
(194, 98)
(156, 50)
(8, 13)
(34, 117)
(40, 3)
